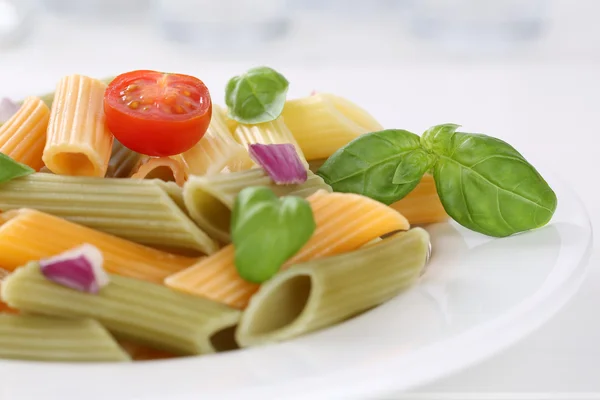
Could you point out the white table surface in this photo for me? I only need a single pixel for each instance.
(544, 101)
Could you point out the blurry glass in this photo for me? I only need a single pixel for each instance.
(478, 24)
(15, 21)
(95, 8)
(351, 7)
(222, 24)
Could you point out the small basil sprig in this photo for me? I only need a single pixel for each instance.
(266, 231)
(384, 166)
(483, 182)
(10, 169)
(257, 96)
(486, 185)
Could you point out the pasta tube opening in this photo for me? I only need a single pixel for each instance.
(283, 303)
(164, 168)
(81, 162)
(224, 340)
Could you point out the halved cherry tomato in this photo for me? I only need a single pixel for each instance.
(157, 114)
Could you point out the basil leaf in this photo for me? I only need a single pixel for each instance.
(267, 231)
(10, 169)
(256, 96)
(486, 185)
(384, 166)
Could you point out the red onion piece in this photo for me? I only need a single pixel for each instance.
(8, 108)
(280, 161)
(80, 269)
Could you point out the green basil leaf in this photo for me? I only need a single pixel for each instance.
(267, 231)
(384, 166)
(256, 96)
(438, 138)
(413, 166)
(10, 169)
(486, 185)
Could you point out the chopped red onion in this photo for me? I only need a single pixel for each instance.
(313, 93)
(280, 161)
(80, 269)
(8, 108)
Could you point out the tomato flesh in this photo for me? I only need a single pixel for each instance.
(157, 114)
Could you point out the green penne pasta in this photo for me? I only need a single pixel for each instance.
(143, 211)
(122, 161)
(131, 309)
(209, 199)
(39, 338)
(320, 293)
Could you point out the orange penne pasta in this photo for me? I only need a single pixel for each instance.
(344, 221)
(168, 169)
(27, 235)
(23, 136)
(78, 143)
(422, 205)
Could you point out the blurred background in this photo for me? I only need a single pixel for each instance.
(527, 71)
(307, 31)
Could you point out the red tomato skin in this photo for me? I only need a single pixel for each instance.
(156, 138)
(167, 136)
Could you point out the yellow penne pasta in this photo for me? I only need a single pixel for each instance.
(217, 150)
(28, 235)
(323, 123)
(231, 123)
(168, 169)
(78, 143)
(422, 205)
(4, 308)
(345, 222)
(274, 132)
(23, 136)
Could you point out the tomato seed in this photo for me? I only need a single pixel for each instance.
(134, 105)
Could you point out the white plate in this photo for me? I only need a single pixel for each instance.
(478, 296)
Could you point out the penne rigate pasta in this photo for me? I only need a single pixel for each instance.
(168, 169)
(422, 205)
(326, 291)
(138, 311)
(25, 233)
(322, 123)
(217, 150)
(209, 199)
(23, 136)
(344, 223)
(78, 141)
(231, 123)
(122, 161)
(142, 211)
(48, 98)
(274, 132)
(39, 338)
(4, 308)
